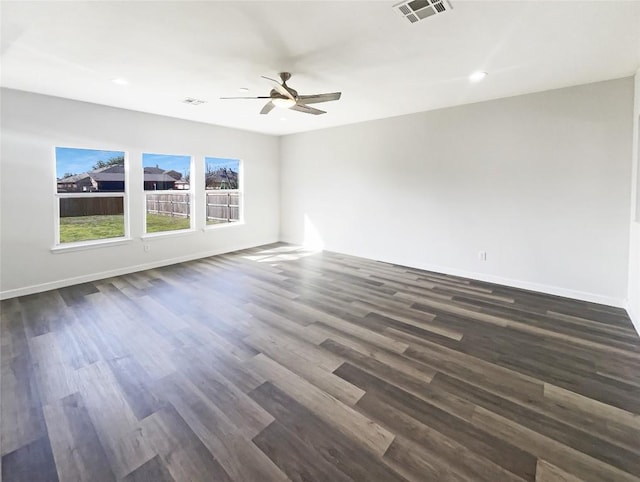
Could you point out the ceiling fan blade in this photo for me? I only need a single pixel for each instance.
(279, 87)
(314, 99)
(268, 107)
(260, 97)
(306, 109)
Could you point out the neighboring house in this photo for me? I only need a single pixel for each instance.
(111, 179)
(76, 183)
(181, 184)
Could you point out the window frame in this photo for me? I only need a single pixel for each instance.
(190, 191)
(239, 190)
(77, 245)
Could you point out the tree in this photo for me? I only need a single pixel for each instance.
(68, 174)
(112, 161)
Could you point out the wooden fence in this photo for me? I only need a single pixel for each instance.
(90, 206)
(174, 204)
(223, 207)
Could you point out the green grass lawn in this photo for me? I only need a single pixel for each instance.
(157, 223)
(88, 228)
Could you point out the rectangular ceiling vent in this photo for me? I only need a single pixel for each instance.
(192, 101)
(416, 10)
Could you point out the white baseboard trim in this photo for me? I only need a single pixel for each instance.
(528, 285)
(510, 282)
(541, 288)
(52, 285)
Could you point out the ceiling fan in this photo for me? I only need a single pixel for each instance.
(284, 96)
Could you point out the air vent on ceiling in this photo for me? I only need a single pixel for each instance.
(416, 10)
(192, 101)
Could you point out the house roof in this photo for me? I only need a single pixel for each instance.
(383, 65)
(104, 176)
(73, 179)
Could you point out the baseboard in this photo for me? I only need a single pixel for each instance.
(52, 285)
(541, 288)
(510, 282)
(527, 285)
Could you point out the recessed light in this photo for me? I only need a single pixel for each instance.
(283, 118)
(120, 81)
(477, 76)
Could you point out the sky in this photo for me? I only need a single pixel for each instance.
(77, 161)
(219, 162)
(167, 162)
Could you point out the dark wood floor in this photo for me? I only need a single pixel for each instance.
(275, 364)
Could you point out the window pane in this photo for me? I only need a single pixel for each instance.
(223, 207)
(91, 218)
(222, 181)
(168, 212)
(221, 173)
(165, 172)
(89, 170)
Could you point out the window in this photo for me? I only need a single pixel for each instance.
(167, 192)
(222, 190)
(91, 195)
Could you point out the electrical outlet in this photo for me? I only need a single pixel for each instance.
(146, 248)
(482, 255)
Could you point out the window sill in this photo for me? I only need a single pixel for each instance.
(82, 245)
(163, 234)
(213, 227)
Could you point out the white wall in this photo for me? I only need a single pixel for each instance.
(633, 306)
(32, 125)
(540, 182)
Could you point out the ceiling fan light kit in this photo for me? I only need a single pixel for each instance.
(283, 102)
(287, 98)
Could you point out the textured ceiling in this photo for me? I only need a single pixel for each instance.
(383, 65)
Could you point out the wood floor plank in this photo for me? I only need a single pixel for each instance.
(462, 459)
(582, 439)
(238, 456)
(567, 458)
(456, 425)
(30, 463)
(56, 378)
(249, 418)
(154, 470)
(546, 472)
(20, 405)
(294, 457)
(280, 363)
(332, 445)
(344, 418)
(116, 424)
(181, 451)
(416, 464)
(323, 379)
(77, 450)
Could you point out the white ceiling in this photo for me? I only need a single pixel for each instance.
(383, 65)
